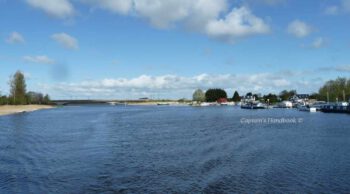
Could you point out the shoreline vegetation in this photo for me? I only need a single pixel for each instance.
(21, 101)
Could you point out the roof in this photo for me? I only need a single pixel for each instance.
(302, 95)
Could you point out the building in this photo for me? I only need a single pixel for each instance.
(285, 104)
(222, 100)
(300, 98)
(248, 98)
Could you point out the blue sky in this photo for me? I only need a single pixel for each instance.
(168, 48)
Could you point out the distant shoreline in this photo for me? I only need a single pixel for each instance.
(154, 103)
(13, 109)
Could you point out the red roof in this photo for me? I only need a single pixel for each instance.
(222, 100)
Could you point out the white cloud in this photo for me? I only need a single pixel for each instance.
(163, 14)
(41, 59)
(205, 16)
(274, 2)
(343, 7)
(173, 86)
(338, 68)
(66, 40)
(56, 8)
(266, 2)
(343, 68)
(332, 10)
(318, 43)
(346, 5)
(15, 37)
(116, 6)
(210, 17)
(240, 22)
(299, 29)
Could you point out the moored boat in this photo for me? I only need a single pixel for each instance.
(227, 104)
(253, 105)
(318, 105)
(163, 104)
(342, 107)
(307, 108)
(285, 104)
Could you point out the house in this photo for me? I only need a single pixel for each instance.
(300, 98)
(285, 104)
(248, 98)
(222, 100)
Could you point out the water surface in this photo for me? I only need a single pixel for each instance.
(134, 149)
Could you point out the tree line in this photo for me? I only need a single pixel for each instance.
(213, 95)
(332, 91)
(19, 95)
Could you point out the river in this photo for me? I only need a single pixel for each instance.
(164, 149)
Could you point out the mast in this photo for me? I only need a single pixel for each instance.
(327, 97)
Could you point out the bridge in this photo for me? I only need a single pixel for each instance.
(111, 102)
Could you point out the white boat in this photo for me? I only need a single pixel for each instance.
(163, 104)
(253, 105)
(227, 104)
(319, 105)
(117, 103)
(205, 104)
(307, 108)
(285, 104)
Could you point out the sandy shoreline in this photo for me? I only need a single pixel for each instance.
(9, 109)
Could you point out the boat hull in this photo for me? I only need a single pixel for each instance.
(252, 107)
(336, 109)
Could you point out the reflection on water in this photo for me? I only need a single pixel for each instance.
(106, 149)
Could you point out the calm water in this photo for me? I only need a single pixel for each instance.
(105, 149)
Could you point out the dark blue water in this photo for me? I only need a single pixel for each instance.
(106, 149)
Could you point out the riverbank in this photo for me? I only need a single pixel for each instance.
(154, 103)
(11, 109)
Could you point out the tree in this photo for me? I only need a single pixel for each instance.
(315, 96)
(212, 95)
(3, 100)
(257, 96)
(335, 89)
(18, 88)
(285, 95)
(271, 98)
(35, 98)
(236, 97)
(198, 96)
(182, 100)
(46, 99)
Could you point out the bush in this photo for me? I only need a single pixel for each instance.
(198, 96)
(212, 95)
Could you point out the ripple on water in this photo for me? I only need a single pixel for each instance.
(110, 149)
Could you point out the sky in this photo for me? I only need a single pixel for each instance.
(129, 49)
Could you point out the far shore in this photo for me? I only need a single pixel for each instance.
(152, 103)
(13, 109)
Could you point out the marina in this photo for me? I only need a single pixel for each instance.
(343, 107)
(307, 108)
